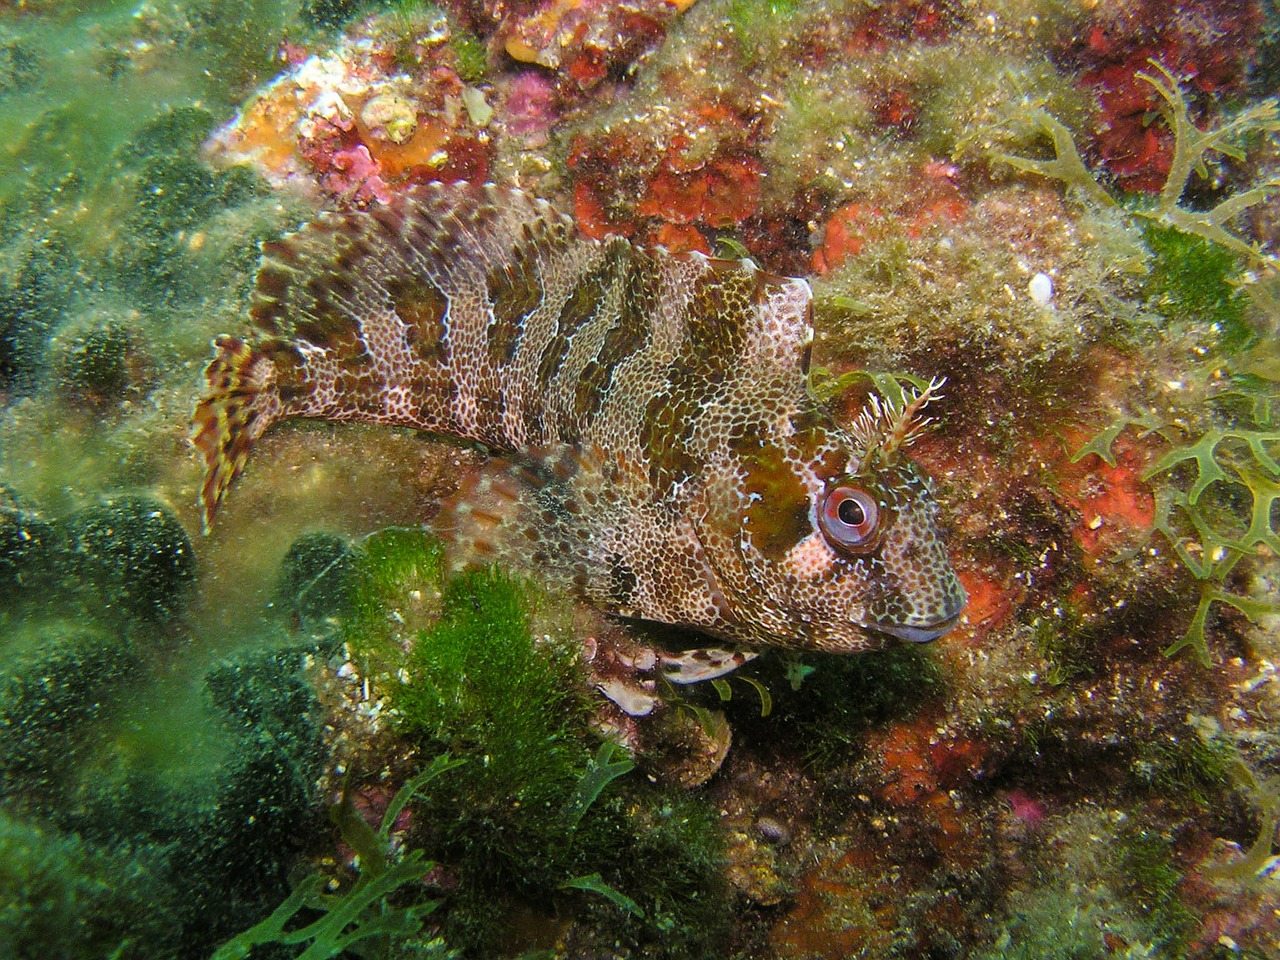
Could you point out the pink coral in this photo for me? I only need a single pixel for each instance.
(532, 105)
(356, 175)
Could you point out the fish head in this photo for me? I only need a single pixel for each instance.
(819, 548)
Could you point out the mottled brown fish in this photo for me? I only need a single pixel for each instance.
(665, 457)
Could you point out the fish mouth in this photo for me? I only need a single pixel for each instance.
(917, 632)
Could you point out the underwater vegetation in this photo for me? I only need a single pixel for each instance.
(107, 855)
(1194, 152)
(1195, 264)
(362, 912)
(538, 811)
(1207, 532)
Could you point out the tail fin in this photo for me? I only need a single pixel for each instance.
(241, 403)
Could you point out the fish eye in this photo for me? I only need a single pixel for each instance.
(850, 518)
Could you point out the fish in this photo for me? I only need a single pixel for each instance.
(654, 443)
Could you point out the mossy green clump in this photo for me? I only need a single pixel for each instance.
(26, 546)
(61, 899)
(1109, 890)
(179, 130)
(32, 303)
(227, 841)
(478, 685)
(541, 817)
(140, 853)
(50, 701)
(316, 579)
(1065, 645)
(1054, 924)
(174, 195)
(1191, 767)
(332, 14)
(395, 593)
(759, 26)
(135, 556)
(470, 59)
(1152, 885)
(478, 677)
(105, 367)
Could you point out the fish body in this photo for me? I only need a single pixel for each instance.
(665, 457)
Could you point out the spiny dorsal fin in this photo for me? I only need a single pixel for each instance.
(479, 312)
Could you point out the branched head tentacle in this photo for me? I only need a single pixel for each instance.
(887, 424)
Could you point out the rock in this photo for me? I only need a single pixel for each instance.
(316, 577)
(24, 545)
(136, 555)
(104, 368)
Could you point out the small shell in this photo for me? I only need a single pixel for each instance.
(1041, 289)
(390, 116)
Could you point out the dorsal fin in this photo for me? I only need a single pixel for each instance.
(779, 331)
(479, 312)
(358, 259)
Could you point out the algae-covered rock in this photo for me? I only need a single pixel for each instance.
(64, 900)
(135, 553)
(49, 703)
(234, 856)
(104, 368)
(316, 577)
(31, 305)
(25, 541)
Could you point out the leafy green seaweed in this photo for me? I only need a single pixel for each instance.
(1191, 150)
(600, 772)
(364, 911)
(1198, 519)
(594, 883)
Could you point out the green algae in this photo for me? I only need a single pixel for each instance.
(1194, 280)
(759, 26)
(65, 127)
(365, 910)
(1215, 494)
(477, 665)
(1194, 149)
(1110, 889)
(64, 899)
(135, 554)
(104, 370)
(395, 593)
(478, 680)
(471, 58)
(317, 580)
(161, 852)
(51, 700)
(1153, 881)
